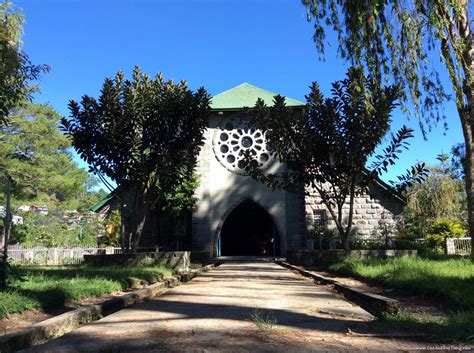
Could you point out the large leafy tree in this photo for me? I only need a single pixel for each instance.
(37, 156)
(326, 145)
(145, 134)
(439, 197)
(395, 40)
(16, 70)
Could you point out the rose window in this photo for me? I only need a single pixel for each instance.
(235, 137)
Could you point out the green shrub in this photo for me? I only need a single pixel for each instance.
(433, 238)
(448, 228)
(408, 234)
(442, 229)
(322, 237)
(369, 244)
(51, 231)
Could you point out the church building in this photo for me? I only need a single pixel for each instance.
(237, 215)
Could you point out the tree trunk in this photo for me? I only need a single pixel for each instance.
(8, 226)
(134, 213)
(351, 213)
(345, 241)
(467, 122)
(470, 185)
(465, 100)
(140, 217)
(470, 147)
(124, 229)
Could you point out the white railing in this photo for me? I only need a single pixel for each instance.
(462, 246)
(38, 255)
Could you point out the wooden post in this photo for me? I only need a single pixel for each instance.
(8, 227)
(449, 248)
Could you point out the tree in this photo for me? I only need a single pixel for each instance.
(394, 40)
(145, 135)
(43, 169)
(35, 158)
(439, 197)
(327, 145)
(16, 70)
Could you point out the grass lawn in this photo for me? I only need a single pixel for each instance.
(451, 281)
(52, 287)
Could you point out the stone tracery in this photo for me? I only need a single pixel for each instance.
(235, 137)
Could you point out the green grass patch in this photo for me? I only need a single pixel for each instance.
(449, 280)
(265, 322)
(455, 327)
(52, 287)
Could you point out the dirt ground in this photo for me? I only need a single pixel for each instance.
(239, 307)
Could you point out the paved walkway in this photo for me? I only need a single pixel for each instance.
(231, 309)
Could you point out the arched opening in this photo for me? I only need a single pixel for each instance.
(249, 231)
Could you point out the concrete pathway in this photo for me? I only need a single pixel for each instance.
(238, 307)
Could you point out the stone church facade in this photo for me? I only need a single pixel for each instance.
(236, 215)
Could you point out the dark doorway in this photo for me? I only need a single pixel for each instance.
(249, 231)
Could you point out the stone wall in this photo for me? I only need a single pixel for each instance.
(322, 257)
(375, 213)
(176, 260)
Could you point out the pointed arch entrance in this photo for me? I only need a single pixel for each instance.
(248, 231)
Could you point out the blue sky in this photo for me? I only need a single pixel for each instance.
(211, 43)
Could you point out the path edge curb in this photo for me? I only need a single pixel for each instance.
(58, 326)
(375, 304)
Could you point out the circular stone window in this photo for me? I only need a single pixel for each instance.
(233, 137)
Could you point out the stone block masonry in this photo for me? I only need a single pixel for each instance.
(374, 213)
(176, 260)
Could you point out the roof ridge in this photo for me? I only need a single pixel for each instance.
(245, 95)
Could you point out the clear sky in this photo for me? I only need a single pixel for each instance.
(213, 43)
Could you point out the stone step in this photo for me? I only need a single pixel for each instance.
(227, 259)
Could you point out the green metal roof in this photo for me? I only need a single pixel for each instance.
(244, 96)
(98, 206)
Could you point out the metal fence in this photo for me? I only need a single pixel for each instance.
(462, 246)
(452, 246)
(37, 255)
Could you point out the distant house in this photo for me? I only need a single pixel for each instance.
(15, 219)
(39, 209)
(33, 209)
(24, 208)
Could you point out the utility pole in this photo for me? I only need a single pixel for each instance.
(8, 227)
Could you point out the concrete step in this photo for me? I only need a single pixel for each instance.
(227, 259)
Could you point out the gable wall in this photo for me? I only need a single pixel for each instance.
(221, 190)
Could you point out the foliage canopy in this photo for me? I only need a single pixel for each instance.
(145, 134)
(326, 146)
(436, 207)
(395, 41)
(36, 154)
(16, 70)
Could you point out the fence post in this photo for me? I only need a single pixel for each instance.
(52, 256)
(449, 248)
